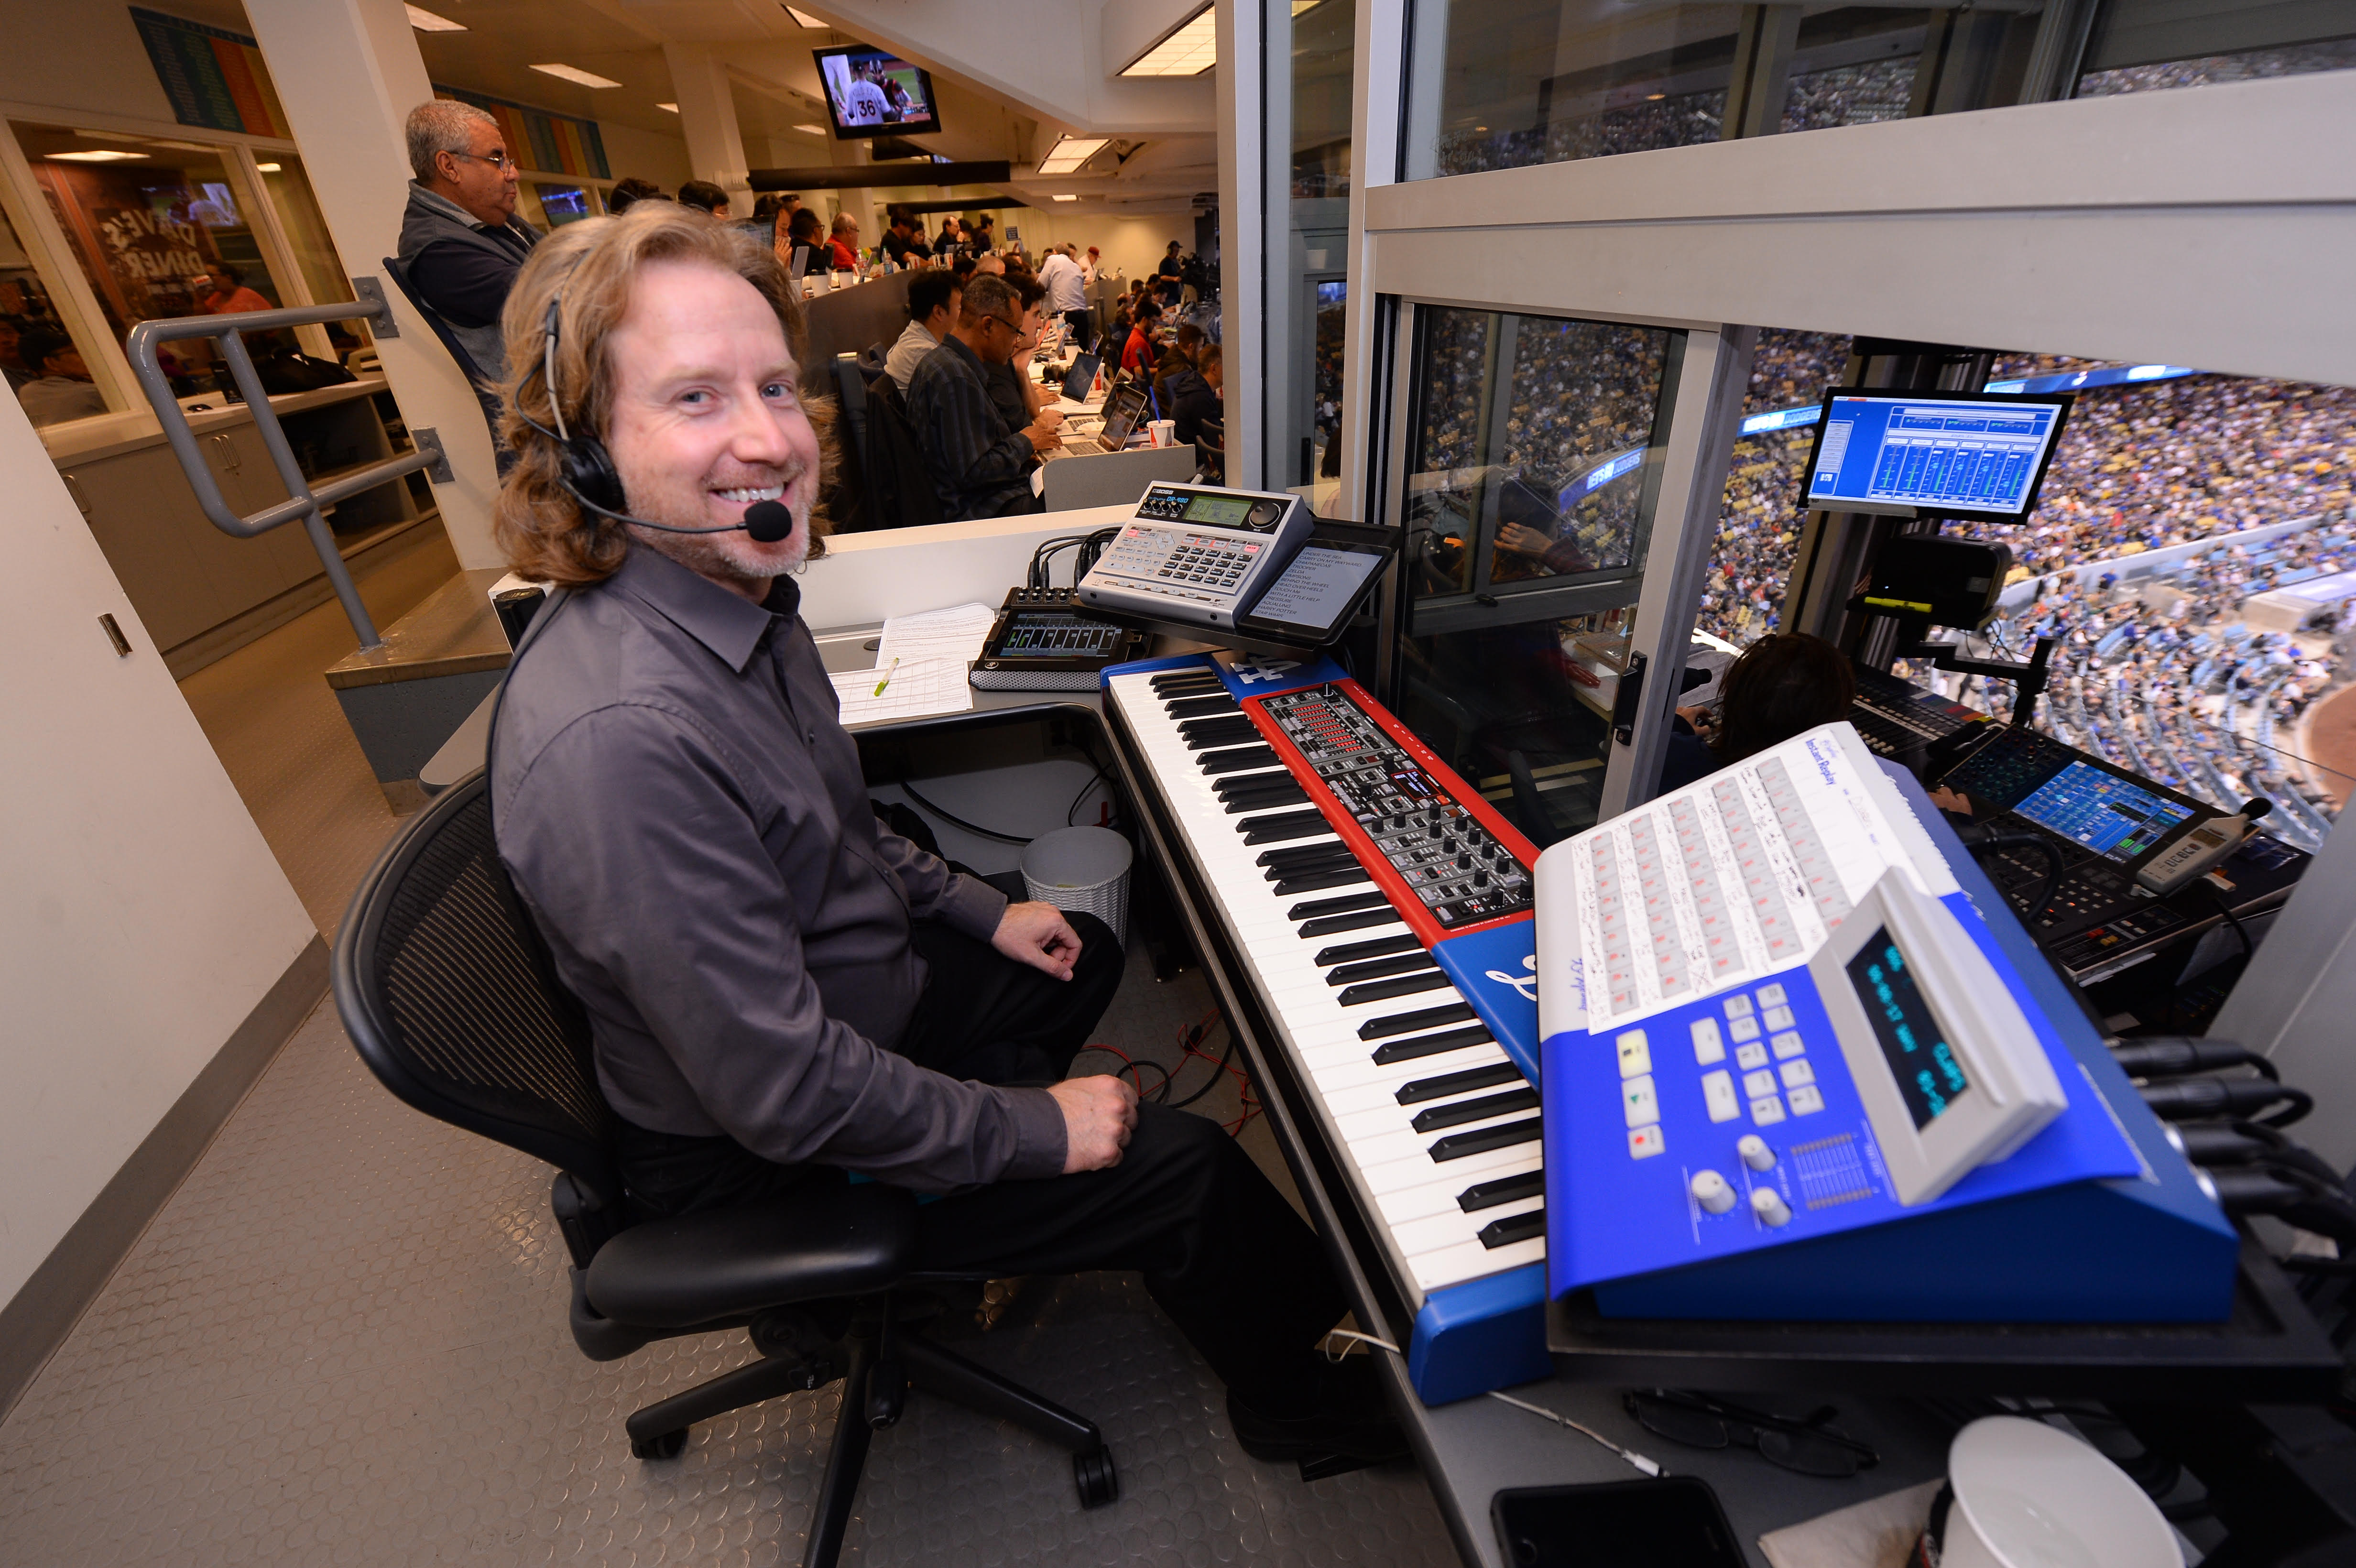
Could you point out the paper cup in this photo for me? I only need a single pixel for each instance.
(2027, 1496)
(1165, 432)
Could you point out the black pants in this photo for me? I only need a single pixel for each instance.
(1221, 1250)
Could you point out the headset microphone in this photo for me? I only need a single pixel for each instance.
(765, 521)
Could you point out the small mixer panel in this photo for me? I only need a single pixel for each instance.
(1446, 855)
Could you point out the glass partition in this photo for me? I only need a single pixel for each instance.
(1854, 66)
(161, 228)
(46, 368)
(1324, 35)
(1532, 462)
(2143, 46)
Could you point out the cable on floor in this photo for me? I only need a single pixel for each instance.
(1637, 1461)
(955, 821)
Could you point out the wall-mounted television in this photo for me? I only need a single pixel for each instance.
(874, 92)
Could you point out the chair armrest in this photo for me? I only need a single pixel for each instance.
(669, 1274)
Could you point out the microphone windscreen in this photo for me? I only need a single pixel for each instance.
(769, 521)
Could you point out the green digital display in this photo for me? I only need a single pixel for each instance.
(1219, 511)
(1913, 1039)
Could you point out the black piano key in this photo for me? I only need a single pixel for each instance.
(1196, 706)
(1317, 879)
(1456, 1146)
(1230, 785)
(1216, 724)
(1373, 947)
(1384, 990)
(1463, 1111)
(1266, 800)
(1327, 924)
(1378, 968)
(1317, 855)
(1272, 791)
(1463, 1083)
(1348, 903)
(1276, 829)
(1235, 761)
(1514, 1228)
(1423, 1017)
(1193, 677)
(1223, 732)
(1424, 1045)
(1505, 1189)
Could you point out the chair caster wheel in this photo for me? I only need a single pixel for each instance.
(1094, 1472)
(662, 1446)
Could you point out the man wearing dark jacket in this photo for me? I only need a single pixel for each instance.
(460, 239)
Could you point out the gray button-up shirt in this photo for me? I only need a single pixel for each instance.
(687, 822)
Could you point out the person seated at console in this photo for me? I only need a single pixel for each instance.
(1778, 686)
(981, 462)
(781, 992)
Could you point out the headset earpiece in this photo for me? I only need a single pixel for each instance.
(589, 472)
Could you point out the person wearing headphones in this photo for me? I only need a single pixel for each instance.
(1781, 686)
(781, 992)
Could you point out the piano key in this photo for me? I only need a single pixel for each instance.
(1398, 985)
(1327, 925)
(1374, 947)
(1514, 1228)
(1376, 968)
(1231, 784)
(1242, 803)
(1168, 679)
(1501, 1190)
(1197, 706)
(1471, 1260)
(1312, 883)
(1202, 734)
(1242, 757)
(1456, 1115)
(1480, 1141)
(1283, 826)
(1444, 1230)
(1439, 1044)
(1322, 850)
(1348, 903)
(1448, 1084)
(1409, 1023)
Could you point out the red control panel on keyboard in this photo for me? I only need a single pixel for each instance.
(1443, 855)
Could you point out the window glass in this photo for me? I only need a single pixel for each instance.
(161, 228)
(2143, 46)
(1853, 66)
(43, 364)
(305, 229)
(1324, 42)
(1534, 447)
(1759, 526)
(1546, 81)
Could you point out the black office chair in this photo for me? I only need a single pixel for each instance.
(485, 393)
(448, 994)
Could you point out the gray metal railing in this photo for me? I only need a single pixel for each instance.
(303, 502)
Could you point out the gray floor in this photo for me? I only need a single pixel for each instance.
(343, 1341)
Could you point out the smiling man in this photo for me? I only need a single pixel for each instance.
(779, 990)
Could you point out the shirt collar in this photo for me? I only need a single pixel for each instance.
(728, 624)
(965, 348)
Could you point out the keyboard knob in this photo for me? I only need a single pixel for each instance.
(1463, 862)
(1755, 1152)
(1713, 1192)
(1768, 1205)
(1480, 879)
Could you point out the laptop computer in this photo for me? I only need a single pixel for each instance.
(1082, 374)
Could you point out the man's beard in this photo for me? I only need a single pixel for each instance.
(709, 555)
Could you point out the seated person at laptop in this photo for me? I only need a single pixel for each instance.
(933, 300)
(1781, 686)
(779, 991)
(1018, 395)
(1190, 394)
(982, 464)
(1178, 354)
(1141, 351)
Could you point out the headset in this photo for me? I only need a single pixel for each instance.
(586, 469)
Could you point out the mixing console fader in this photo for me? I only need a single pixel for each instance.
(1448, 858)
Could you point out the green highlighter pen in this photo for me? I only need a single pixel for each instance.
(887, 679)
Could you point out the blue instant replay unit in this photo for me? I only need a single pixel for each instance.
(1944, 454)
(1793, 1072)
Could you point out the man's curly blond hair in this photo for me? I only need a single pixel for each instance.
(541, 529)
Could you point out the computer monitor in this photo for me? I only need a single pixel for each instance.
(873, 92)
(1933, 455)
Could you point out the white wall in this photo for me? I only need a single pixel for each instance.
(144, 916)
(1134, 244)
(632, 152)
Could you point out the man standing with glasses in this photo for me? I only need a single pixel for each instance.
(461, 242)
(981, 462)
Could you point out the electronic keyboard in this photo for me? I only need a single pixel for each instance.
(1380, 910)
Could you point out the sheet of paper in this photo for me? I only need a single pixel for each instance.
(1740, 875)
(956, 633)
(914, 690)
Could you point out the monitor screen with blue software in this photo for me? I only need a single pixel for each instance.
(1947, 454)
(2112, 815)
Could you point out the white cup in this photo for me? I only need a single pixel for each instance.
(2027, 1496)
(1165, 432)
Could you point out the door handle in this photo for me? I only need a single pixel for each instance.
(1628, 701)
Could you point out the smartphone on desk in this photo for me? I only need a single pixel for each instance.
(1672, 1522)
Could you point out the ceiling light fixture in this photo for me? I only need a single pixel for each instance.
(268, 168)
(1192, 50)
(425, 21)
(1062, 198)
(574, 74)
(804, 18)
(95, 155)
(812, 130)
(670, 108)
(1070, 153)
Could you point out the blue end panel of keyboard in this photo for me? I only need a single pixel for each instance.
(1497, 971)
(1489, 1334)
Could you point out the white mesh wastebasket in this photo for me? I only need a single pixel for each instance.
(1081, 868)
